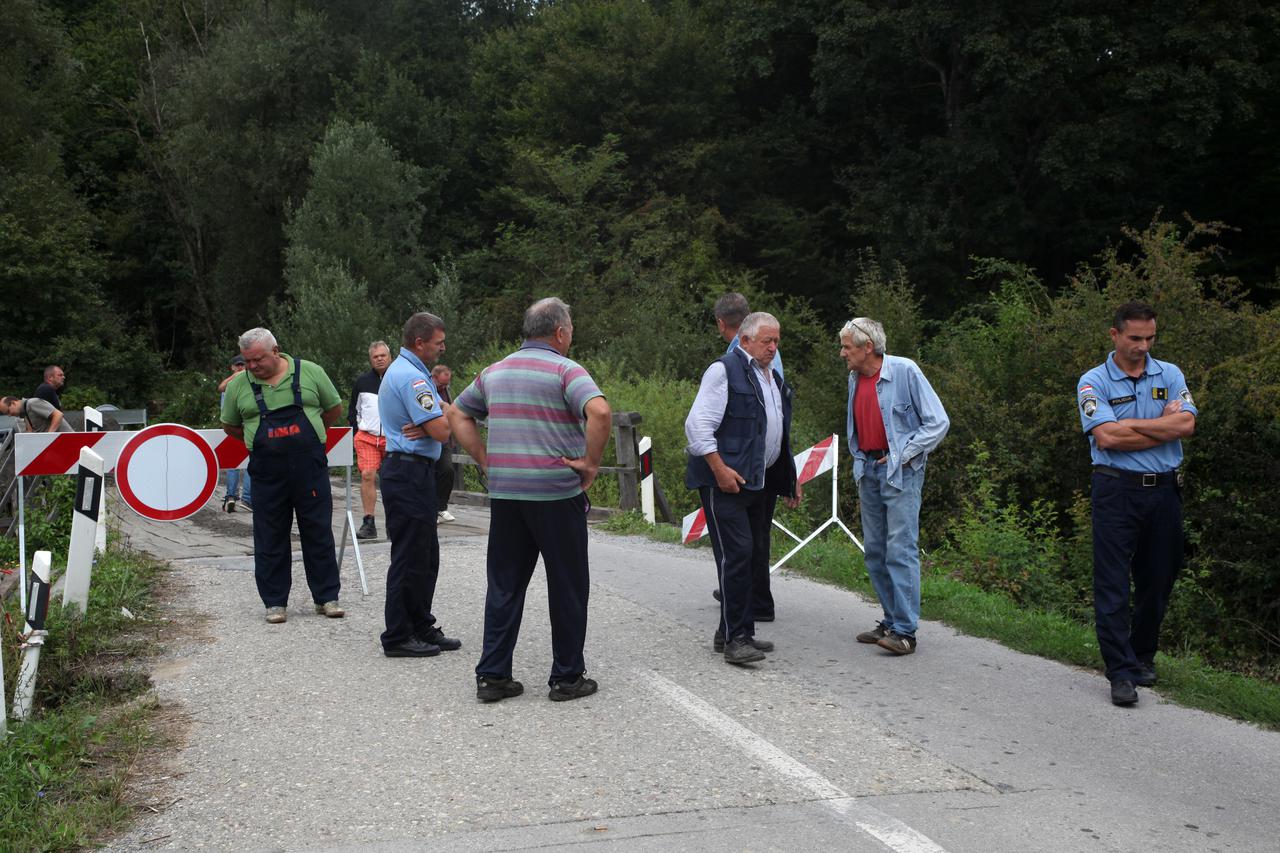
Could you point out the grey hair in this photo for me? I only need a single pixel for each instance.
(423, 325)
(752, 322)
(373, 346)
(545, 316)
(257, 336)
(862, 329)
(732, 308)
(48, 371)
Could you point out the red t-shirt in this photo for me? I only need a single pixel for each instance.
(866, 414)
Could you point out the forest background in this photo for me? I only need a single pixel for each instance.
(988, 179)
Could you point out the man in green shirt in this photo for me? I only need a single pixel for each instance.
(282, 407)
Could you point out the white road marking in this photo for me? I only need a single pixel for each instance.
(885, 828)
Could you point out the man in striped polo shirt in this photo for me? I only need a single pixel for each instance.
(539, 460)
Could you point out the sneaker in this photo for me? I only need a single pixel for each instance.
(436, 637)
(331, 609)
(563, 691)
(875, 635)
(741, 650)
(492, 689)
(445, 515)
(228, 504)
(276, 615)
(244, 502)
(368, 530)
(717, 643)
(899, 644)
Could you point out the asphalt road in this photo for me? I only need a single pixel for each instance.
(304, 737)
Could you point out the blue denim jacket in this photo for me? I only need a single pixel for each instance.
(914, 420)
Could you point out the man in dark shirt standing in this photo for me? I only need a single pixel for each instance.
(54, 379)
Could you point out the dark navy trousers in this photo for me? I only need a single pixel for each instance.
(518, 532)
(1137, 533)
(409, 501)
(739, 526)
(286, 486)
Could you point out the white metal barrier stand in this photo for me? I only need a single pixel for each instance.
(835, 510)
(349, 529)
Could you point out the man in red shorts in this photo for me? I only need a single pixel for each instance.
(371, 444)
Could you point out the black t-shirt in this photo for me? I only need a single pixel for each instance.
(46, 392)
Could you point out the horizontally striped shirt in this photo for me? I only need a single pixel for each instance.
(534, 401)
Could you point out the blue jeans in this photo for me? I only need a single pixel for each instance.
(238, 481)
(891, 535)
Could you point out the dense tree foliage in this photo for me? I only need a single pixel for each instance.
(174, 172)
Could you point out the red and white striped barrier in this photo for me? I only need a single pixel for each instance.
(822, 457)
(809, 463)
(52, 453)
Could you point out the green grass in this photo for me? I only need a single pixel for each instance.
(63, 772)
(1184, 679)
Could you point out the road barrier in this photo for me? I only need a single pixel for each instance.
(811, 462)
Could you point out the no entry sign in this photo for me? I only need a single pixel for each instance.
(166, 472)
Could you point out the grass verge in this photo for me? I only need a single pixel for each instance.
(63, 772)
(1184, 679)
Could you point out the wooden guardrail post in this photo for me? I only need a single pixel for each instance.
(625, 440)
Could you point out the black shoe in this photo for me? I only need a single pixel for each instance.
(1123, 693)
(717, 643)
(368, 530)
(740, 650)
(715, 593)
(492, 689)
(228, 504)
(436, 637)
(563, 691)
(413, 648)
(1146, 675)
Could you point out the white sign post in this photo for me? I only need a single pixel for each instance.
(84, 527)
(33, 634)
(646, 479)
(93, 423)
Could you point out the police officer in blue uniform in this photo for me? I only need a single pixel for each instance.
(1135, 410)
(412, 420)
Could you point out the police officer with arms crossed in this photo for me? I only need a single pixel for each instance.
(414, 424)
(1135, 410)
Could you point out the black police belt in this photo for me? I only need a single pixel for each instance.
(1147, 480)
(411, 457)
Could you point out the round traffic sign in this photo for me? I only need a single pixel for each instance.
(166, 472)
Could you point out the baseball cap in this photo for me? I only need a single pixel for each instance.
(237, 359)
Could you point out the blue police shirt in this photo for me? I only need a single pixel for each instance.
(1107, 394)
(407, 395)
(776, 364)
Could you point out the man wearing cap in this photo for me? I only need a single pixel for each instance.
(282, 407)
(237, 480)
(1135, 410)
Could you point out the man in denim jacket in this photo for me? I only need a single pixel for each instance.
(895, 420)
